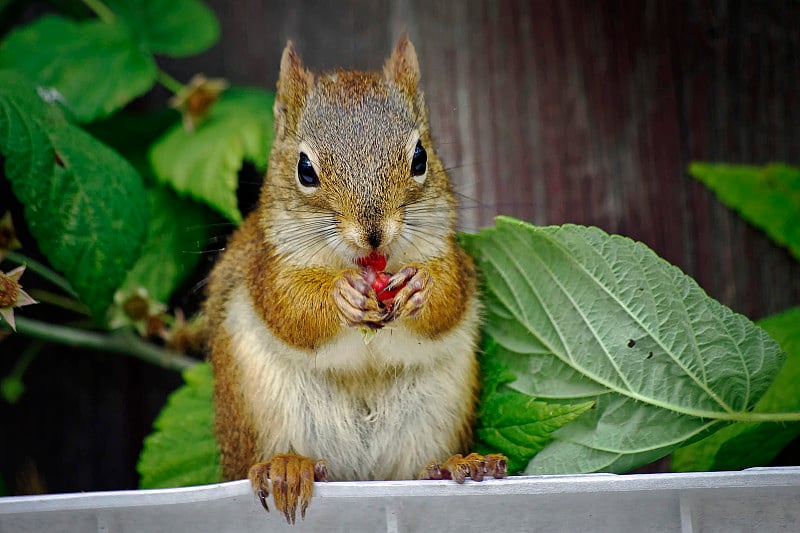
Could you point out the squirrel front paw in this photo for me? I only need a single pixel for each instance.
(475, 466)
(292, 477)
(356, 301)
(416, 285)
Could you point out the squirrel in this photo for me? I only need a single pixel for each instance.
(353, 178)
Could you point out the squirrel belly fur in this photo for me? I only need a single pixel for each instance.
(352, 172)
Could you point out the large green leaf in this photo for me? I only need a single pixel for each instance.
(95, 67)
(24, 122)
(609, 315)
(84, 204)
(170, 27)
(204, 163)
(744, 445)
(511, 422)
(768, 197)
(183, 451)
(175, 240)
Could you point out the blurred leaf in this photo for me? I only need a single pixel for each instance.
(173, 28)
(182, 450)
(768, 197)
(744, 445)
(604, 318)
(204, 163)
(177, 233)
(96, 67)
(131, 134)
(11, 389)
(84, 204)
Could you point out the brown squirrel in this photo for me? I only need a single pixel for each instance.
(352, 176)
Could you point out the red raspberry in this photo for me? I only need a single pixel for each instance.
(381, 280)
(374, 260)
(377, 263)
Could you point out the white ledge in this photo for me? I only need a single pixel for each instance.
(755, 499)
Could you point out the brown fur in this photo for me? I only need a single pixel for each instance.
(356, 127)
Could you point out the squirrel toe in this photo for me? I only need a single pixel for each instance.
(292, 479)
(473, 466)
(356, 301)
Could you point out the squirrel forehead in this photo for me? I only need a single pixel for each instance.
(362, 107)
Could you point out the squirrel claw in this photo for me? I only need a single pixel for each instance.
(409, 301)
(475, 466)
(356, 301)
(496, 465)
(292, 477)
(263, 494)
(399, 279)
(432, 470)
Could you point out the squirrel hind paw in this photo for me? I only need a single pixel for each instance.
(474, 466)
(292, 479)
(496, 465)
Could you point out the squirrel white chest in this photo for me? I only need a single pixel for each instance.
(373, 411)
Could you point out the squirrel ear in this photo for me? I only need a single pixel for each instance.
(402, 68)
(294, 81)
(294, 84)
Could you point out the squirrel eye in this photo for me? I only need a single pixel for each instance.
(305, 172)
(419, 163)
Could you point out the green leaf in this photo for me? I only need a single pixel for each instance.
(520, 426)
(511, 422)
(174, 28)
(183, 451)
(783, 393)
(768, 197)
(590, 313)
(569, 457)
(131, 134)
(175, 240)
(11, 389)
(744, 445)
(84, 204)
(24, 122)
(96, 68)
(204, 163)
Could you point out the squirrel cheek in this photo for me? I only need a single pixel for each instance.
(392, 228)
(351, 234)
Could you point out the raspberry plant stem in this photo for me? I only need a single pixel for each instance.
(122, 342)
(101, 10)
(42, 270)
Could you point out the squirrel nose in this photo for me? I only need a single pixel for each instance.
(374, 237)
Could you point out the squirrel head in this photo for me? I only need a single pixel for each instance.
(352, 169)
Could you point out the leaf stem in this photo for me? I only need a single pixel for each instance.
(44, 271)
(101, 10)
(27, 357)
(122, 342)
(18, 372)
(173, 85)
(64, 302)
(793, 416)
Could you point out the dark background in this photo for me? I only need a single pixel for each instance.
(551, 111)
